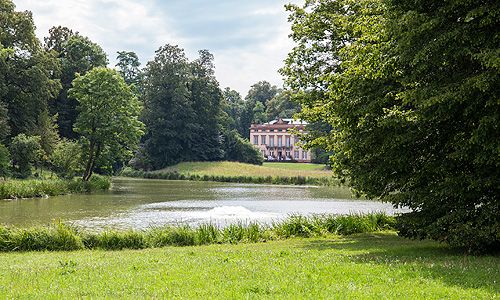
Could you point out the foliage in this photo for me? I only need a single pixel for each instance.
(182, 109)
(411, 90)
(46, 129)
(75, 54)
(4, 162)
(241, 150)
(26, 70)
(23, 150)
(66, 159)
(107, 120)
(128, 65)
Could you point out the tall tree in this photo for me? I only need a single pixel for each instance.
(182, 108)
(128, 65)
(107, 119)
(76, 54)
(26, 70)
(411, 89)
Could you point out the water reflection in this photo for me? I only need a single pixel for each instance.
(140, 203)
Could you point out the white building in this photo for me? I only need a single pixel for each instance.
(276, 143)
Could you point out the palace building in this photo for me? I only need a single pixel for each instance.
(276, 143)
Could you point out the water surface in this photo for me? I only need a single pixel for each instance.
(140, 203)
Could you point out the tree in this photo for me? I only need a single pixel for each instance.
(66, 159)
(182, 110)
(26, 70)
(411, 89)
(23, 150)
(260, 92)
(128, 65)
(107, 119)
(282, 105)
(239, 149)
(75, 54)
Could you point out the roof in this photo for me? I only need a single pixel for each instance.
(286, 121)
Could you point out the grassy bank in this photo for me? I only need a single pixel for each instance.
(374, 266)
(60, 236)
(275, 173)
(29, 188)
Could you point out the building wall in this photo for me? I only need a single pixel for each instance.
(276, 143)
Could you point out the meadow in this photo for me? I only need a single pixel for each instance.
(367, 266)
(224, 171)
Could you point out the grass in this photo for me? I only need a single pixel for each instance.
(29, 188)
(59, 236)
(244, 173)
(368, 266)
(295, 166)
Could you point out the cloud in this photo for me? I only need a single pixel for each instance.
(248, 38)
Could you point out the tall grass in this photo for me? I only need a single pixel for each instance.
(29, 188)
(60, 236)
(269, 179)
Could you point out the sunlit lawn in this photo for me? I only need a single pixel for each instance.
(377, 266)
(239, 169)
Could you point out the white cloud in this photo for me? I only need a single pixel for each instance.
(248, 39)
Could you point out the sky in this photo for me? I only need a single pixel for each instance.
(249, 39)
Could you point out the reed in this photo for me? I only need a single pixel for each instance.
(30, 188)
(61, 236)
(293, 180)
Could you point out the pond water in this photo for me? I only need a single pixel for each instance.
(141, 203)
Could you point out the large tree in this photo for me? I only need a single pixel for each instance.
(411, 89)
(182, 108)
(107, 120)
(76, 54)
(26, 70)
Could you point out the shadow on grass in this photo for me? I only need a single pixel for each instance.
(427, 259)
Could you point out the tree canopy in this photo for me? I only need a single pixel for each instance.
(107, 119)
(411, 90)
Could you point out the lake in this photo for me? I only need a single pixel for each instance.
(141, 203)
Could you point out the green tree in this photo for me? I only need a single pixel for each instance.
(182, 109)
(23, 150)
(26, 70)
(238, 149)
(107, 119)
(66, 159)
(76, 54)
(233, 106)
(128, 65)
(4, 162)
(412, 90)
(282, 105)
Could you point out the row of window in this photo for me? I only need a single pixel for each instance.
(271, 141)
(287, 154)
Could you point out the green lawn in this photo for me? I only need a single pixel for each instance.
(375, 266)
(295, 166)
(226, 168)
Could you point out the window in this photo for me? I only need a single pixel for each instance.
(304, 155)
(296, 141)
(296, 154)
(263, 140)
(287, 154)
(264, 153)
(271, 141)
(288, 141)
(280, 141)
(256, 140)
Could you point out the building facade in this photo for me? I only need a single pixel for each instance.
(276, 143)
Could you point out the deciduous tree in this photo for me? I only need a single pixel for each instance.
(411, 89)
(107, 120)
